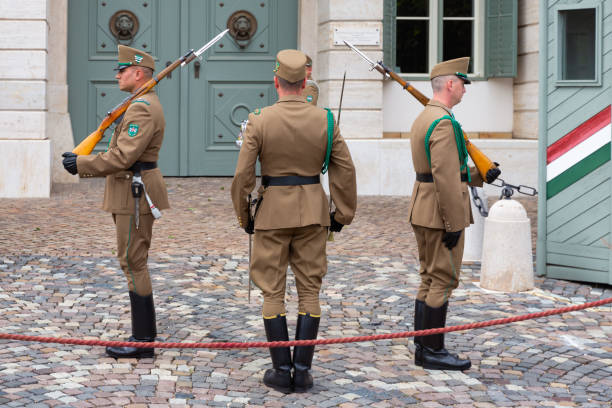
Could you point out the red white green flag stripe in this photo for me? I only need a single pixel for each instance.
(578, 153)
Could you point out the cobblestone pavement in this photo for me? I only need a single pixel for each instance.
(59, 277)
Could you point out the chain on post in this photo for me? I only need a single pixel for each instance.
(509, 189)
(478, 202)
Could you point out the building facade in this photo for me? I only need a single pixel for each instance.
(57, 82)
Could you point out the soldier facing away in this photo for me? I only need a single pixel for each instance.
(440, 209)
(132, 178)
(292, 215)
(311, 91)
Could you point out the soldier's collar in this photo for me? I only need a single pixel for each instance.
(292, 98)
(440, 105)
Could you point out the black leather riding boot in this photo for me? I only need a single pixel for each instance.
(419, 324)
(143, 328)
(278, 377)
(435, 356)
(307, 329)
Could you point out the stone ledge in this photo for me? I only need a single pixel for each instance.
(25, 166)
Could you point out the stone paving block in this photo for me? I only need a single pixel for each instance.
(64, 280)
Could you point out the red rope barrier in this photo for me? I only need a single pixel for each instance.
(263, 344)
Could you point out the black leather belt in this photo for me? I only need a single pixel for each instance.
(428, 177)
(138, 166)
(289, 180)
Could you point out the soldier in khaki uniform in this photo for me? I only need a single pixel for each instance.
(311, 91)
(133, 150)
(292, 216)
(440, 209)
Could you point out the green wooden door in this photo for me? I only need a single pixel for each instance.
(201, 125)
(92, 55)
(235, 78)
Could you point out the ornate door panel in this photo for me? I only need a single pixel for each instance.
(236, 76)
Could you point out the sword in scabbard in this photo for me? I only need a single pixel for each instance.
(250, 244)
(330, 236)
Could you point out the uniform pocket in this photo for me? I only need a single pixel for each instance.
(121, 190)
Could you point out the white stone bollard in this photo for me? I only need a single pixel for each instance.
(472, 251)
(507, 262)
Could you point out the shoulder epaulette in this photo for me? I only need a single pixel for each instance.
(141, 100)
(257, 111)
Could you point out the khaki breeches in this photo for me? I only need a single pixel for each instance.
(439, 268)
(304, 249)
(133, 250)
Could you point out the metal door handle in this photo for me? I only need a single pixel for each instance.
(196, 73)
(169, 76)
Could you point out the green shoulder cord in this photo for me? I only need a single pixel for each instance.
(330, 138)
(459, 140)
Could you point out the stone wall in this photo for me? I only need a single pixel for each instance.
(526, 82)
(362, 101)
(32, 101)
(59, 127)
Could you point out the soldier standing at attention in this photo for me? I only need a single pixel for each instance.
(292, 216)
(132, 153)
(311, 91)
(440, 209)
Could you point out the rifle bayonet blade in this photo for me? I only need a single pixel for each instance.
(209, 44)
(373, 65)
(365, 57)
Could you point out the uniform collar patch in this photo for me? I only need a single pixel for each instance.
(133, 130)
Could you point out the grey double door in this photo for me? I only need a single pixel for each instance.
(203, 102)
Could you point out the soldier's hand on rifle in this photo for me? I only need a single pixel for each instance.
(493, 173)
(335, 225)
(250, 227)
(451, 238)
(70, 162)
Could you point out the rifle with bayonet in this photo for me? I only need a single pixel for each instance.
(87, 145)
(486, 167)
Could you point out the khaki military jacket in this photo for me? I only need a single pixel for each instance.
(311, 92)
(138, 137)
(445, 203)
(290, 138)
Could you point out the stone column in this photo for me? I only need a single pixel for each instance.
(25, 150)
(526, 103)
(59, 127)
(362, 102)
(308, 30)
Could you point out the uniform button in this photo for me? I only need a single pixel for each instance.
(127, 176)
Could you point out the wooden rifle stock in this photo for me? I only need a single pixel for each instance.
(87, 145)
(482, 162)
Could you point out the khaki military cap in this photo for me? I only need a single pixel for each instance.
(290, 65)
(457, 66)
(308, 61)
(131, 57)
